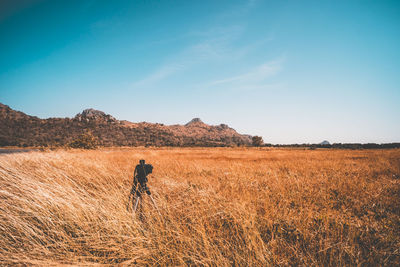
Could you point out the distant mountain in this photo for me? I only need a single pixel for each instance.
(20, 129)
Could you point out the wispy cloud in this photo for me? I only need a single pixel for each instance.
(215, 50)
(214, 46)
(253, 79)
(256, 75)
(221, 43)
(159, 75)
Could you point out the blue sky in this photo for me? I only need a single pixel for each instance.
(290, 71)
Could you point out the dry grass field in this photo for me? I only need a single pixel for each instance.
(219, 206)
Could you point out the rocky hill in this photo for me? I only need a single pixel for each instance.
(20, 129)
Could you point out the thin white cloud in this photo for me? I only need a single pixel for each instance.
(254, 78)
(211, 50)
(214, 45)
(159, 75)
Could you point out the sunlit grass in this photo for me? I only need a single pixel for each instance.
(219, 206)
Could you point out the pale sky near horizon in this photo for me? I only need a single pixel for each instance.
(290, 71)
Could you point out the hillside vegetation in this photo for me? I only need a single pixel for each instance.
(20, 129)
(219, 206)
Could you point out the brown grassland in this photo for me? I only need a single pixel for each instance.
(219, 206)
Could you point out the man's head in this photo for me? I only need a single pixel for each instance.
(141, 162)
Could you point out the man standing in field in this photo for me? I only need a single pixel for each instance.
(140, 185)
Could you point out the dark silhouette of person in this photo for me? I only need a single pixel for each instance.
(140, 186)
(140, 178)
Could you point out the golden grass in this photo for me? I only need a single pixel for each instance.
(220, 206)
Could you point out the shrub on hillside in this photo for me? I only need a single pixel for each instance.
(86, 140)
(257, 141)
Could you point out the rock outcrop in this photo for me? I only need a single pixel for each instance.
(94, 115)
